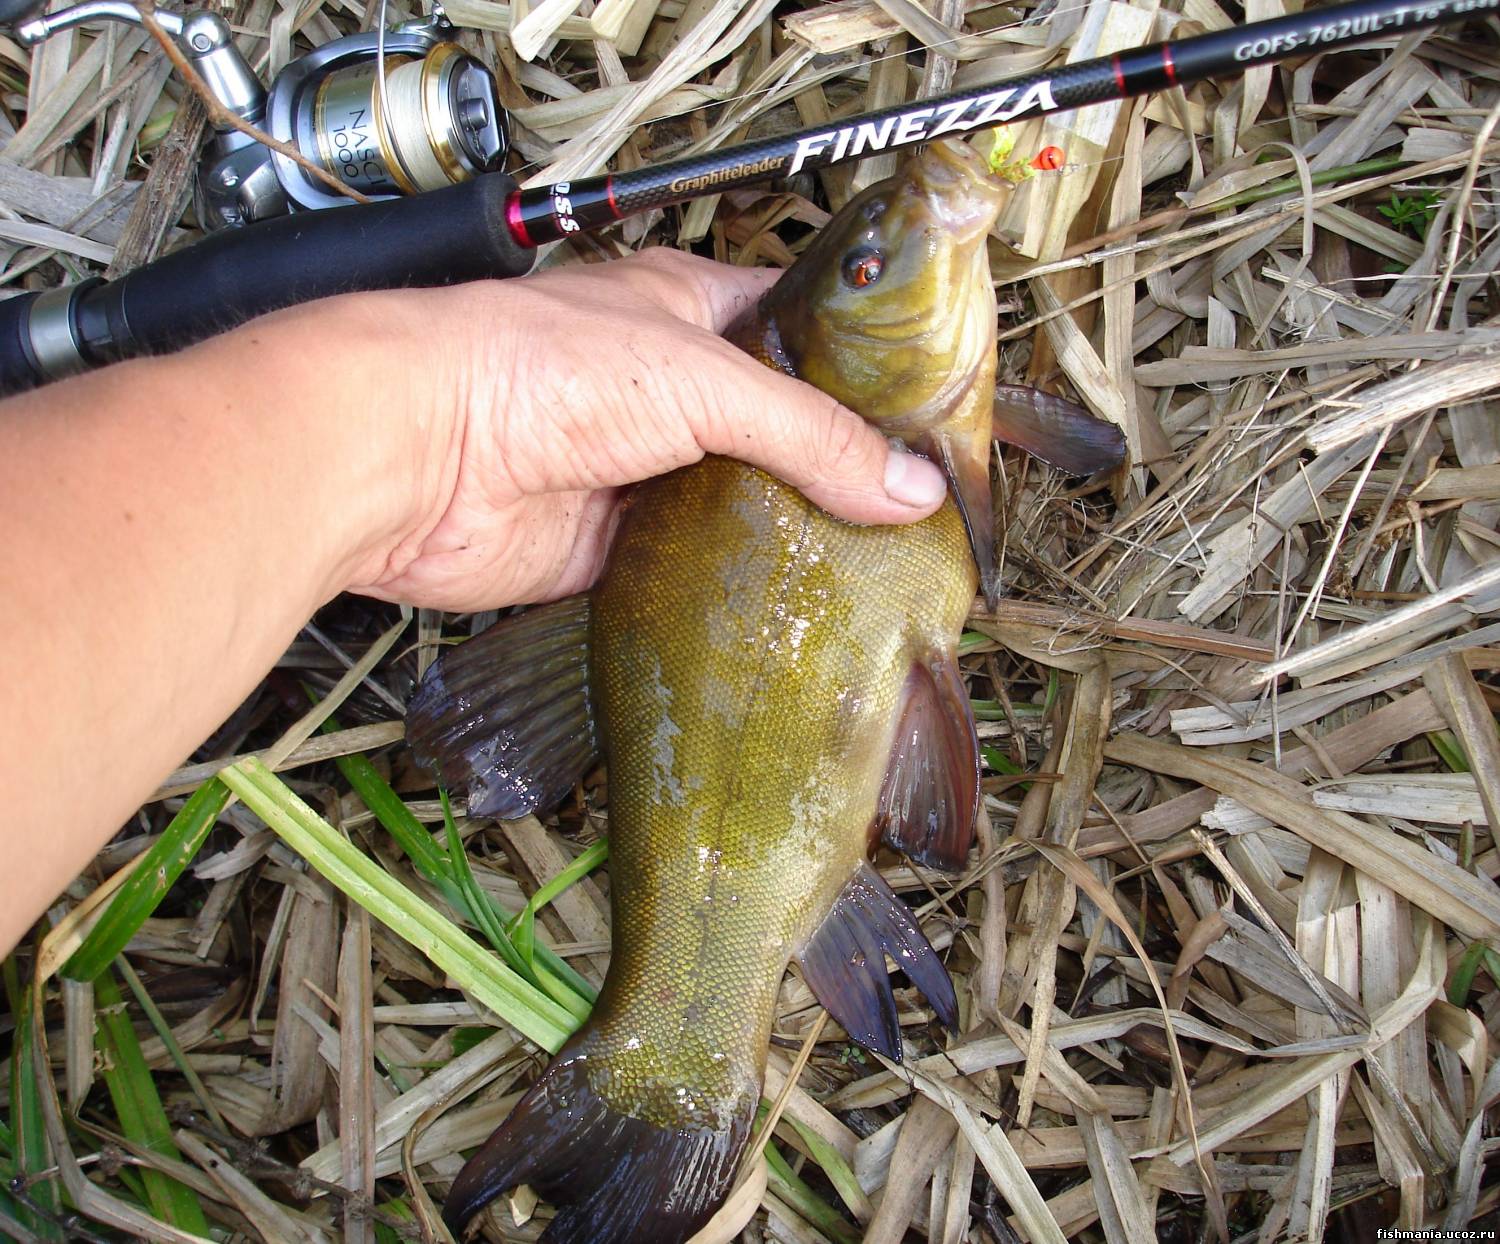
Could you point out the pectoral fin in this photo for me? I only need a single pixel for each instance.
(1059, 432)
(931, 791)
(506, 716)
(965, 460)
(844, 964)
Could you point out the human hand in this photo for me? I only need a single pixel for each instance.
(177, 519)
(578, 382)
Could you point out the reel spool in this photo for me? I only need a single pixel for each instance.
(438, 122)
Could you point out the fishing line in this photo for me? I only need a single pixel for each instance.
(382, 94)
(548, 213)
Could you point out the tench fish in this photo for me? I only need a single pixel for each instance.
(774, 691)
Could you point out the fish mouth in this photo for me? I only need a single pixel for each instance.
(958, 187)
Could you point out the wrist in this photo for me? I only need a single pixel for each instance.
(409, 419)
(455, 359)
(359, 410)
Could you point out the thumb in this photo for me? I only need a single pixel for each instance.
(836, 459)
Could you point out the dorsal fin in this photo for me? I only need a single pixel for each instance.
(844, 964)
(506, 716)
(931, 791)
(1056, 430)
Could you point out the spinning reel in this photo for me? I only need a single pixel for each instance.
(387, 113)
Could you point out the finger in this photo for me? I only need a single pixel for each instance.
(832, 455)
(700, 291)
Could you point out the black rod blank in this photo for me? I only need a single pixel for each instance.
(547, 213)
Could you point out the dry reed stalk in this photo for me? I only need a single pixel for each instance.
(1236, 981)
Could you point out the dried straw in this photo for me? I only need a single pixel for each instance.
(1236, 982)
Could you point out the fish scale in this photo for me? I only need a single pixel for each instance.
(782, 752)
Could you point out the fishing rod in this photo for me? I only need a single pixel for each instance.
(488, 227)
(546, 213)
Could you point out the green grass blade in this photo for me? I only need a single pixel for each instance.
(477, 901)
(786, 1184)
(10, 1209)
(450, 873)
(588, 860)
(973, 641)
(522, 929)
(558, 967)
(145, 888)
(429, 859)
(29, 1139)
(1449, 751)
(437, 866)
(139, 1108)
(1324, 177)
(840, 1173)
(169, 1039)
(398, 1209)
(529, 1010)
(392, 813)
(1461, 979)
(993, 710)
(997, 761)
(523, 936)
(505, 940)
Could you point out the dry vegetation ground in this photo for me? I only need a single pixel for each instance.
(1225, 950)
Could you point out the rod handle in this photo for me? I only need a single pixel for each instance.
(444, 237)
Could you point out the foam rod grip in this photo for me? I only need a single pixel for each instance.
(443, 237)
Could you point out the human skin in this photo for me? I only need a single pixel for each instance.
(172, 523)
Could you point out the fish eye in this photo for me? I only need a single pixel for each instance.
(863, 267)
(874, 210)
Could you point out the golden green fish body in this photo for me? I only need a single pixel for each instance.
(749, 655)
(766, 681)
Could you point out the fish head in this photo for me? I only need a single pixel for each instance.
(891, 310)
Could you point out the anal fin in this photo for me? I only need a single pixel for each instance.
(931, 791)
(843, 964)
(506, 716)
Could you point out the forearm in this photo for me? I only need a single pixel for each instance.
(170, 525)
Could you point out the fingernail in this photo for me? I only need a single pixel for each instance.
(913, 481)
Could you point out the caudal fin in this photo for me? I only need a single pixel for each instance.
(613, 1178)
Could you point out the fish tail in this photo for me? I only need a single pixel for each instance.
(613, 1178)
